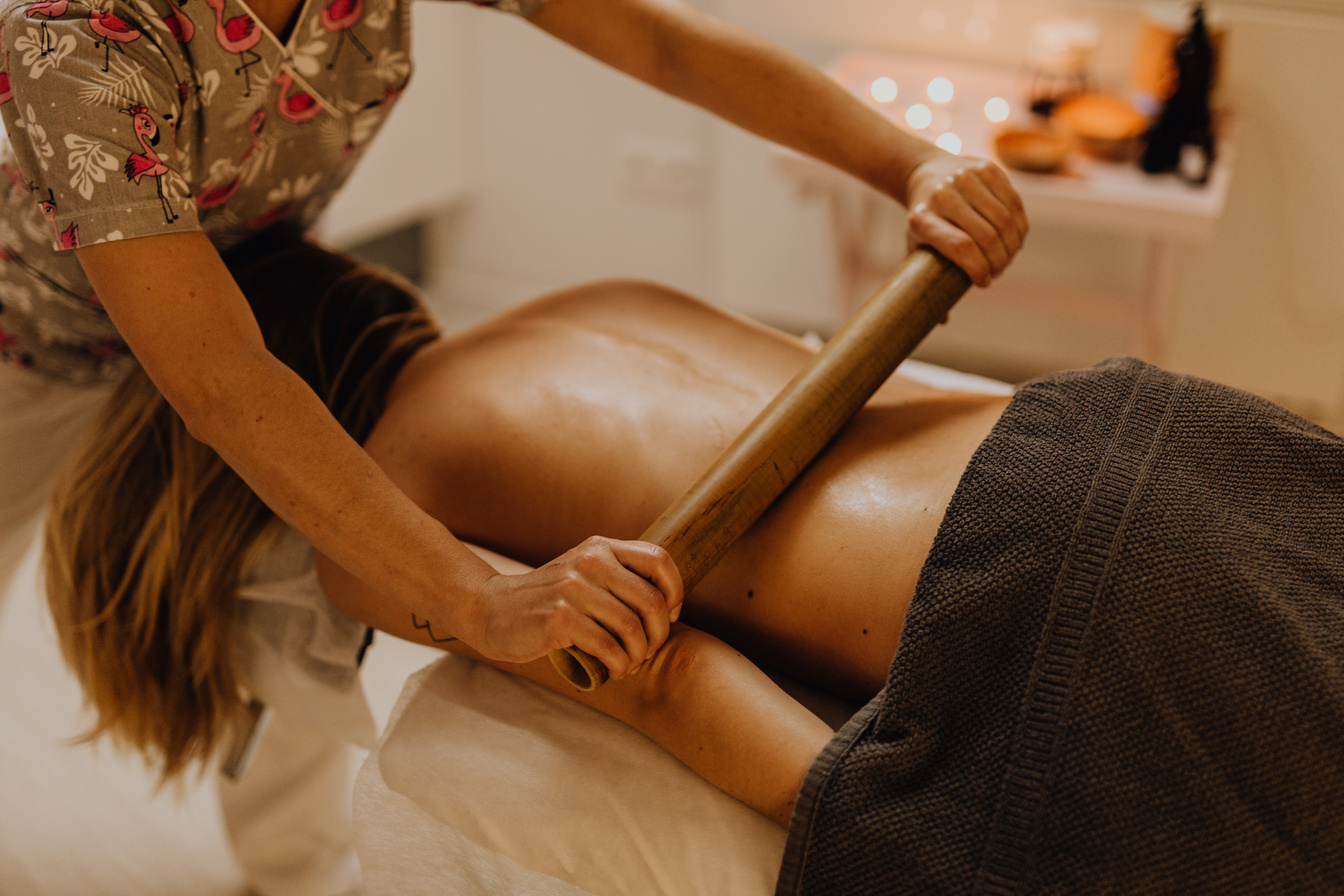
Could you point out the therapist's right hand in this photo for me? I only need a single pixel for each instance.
(613, 599)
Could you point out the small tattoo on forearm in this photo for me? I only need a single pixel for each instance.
(425, 627)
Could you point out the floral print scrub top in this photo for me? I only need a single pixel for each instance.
(129, 118)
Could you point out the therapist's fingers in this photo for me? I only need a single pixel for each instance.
(967, 210)
(925, 227)
(951, 207)
(608, 595)
(997, 199)
(646, 594)
(656, 566)
(978, 193)
(584, 597)
(598, 641)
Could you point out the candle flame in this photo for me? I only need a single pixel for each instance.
(883, 89)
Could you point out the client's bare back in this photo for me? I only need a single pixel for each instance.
(589, 411)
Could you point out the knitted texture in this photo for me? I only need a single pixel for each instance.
(1123, 668)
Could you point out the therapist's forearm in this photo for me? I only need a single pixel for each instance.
(269, 427)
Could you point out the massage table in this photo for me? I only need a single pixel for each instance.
(484, 784)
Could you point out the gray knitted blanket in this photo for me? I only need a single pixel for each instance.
(1123, 669)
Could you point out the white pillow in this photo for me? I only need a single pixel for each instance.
(499, 786)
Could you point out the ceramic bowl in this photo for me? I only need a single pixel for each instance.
(1040, 150)
(1108, 127)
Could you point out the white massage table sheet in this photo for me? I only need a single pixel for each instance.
(487, 784)
(499, 786)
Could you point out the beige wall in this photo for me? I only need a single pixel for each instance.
(560, 196)
(1263, 306)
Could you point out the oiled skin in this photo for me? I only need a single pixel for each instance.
(589, 411)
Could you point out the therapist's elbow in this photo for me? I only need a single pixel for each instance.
(212, 399)
(204, 411)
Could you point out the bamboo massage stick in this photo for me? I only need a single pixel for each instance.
(751, 473)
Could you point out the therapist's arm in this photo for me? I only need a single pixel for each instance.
(965, 208)
(176, 305)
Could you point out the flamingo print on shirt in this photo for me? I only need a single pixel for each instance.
(111, 30)
(6, 89)
(254, 133)
(48, 207)
(66, 239)
(10, 349)
(241, 138)
(339, 17)
(179, 24)
(139, 164)
(219, 192)
(240, 35)
(296, 107)
(212, 195)
(46, 10)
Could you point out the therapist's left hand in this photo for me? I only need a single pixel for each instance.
(968, 210)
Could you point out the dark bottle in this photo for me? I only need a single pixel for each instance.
(1181, 139)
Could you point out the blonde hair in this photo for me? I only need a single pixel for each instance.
(150, 531)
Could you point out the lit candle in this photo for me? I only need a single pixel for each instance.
(940, 90)
(918, 116)
(883, 89)
(997, 109)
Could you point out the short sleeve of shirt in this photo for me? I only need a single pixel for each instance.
(517, 7)
(96, 101)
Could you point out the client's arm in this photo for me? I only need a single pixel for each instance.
(697, 698)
